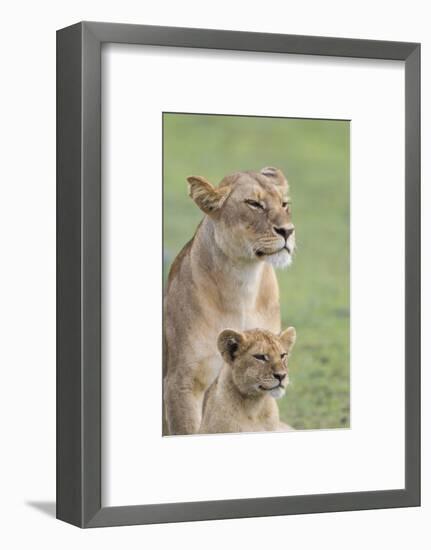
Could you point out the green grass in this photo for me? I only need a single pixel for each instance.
(314, 154)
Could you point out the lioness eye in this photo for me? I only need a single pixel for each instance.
(286, 205)
(260, 357)
(254, 204)
(283, 355)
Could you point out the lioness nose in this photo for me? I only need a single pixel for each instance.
(280, 377)
(285, 232)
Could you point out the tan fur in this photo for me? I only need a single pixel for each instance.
(242, 399)
(223, 277)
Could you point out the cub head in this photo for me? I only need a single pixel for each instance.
(251, 214)
(258, 359)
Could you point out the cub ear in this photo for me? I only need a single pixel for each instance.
(206, 196)
(275, 174)
(288, 338)
(229, 344)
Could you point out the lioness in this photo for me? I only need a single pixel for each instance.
(242, 398)
(223, 277)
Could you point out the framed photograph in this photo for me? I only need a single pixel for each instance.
(238, 274)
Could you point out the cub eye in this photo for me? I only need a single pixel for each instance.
(286, 205)
(261, 357)
(283, 355)
(254, 204)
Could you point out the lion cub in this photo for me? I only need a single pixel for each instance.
(242, 398)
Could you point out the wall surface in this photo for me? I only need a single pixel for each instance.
(27, 290)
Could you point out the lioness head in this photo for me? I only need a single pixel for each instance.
(258, 359)
(251, 214)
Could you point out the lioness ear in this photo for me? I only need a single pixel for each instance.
(229, 344)
(205, 195)
(288, 338)
(275, 174)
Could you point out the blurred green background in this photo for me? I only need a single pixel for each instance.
(314, 155)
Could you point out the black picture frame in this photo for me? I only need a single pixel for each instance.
(79, 273)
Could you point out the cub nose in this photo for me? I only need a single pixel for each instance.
(285, 232)
(280, 377)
